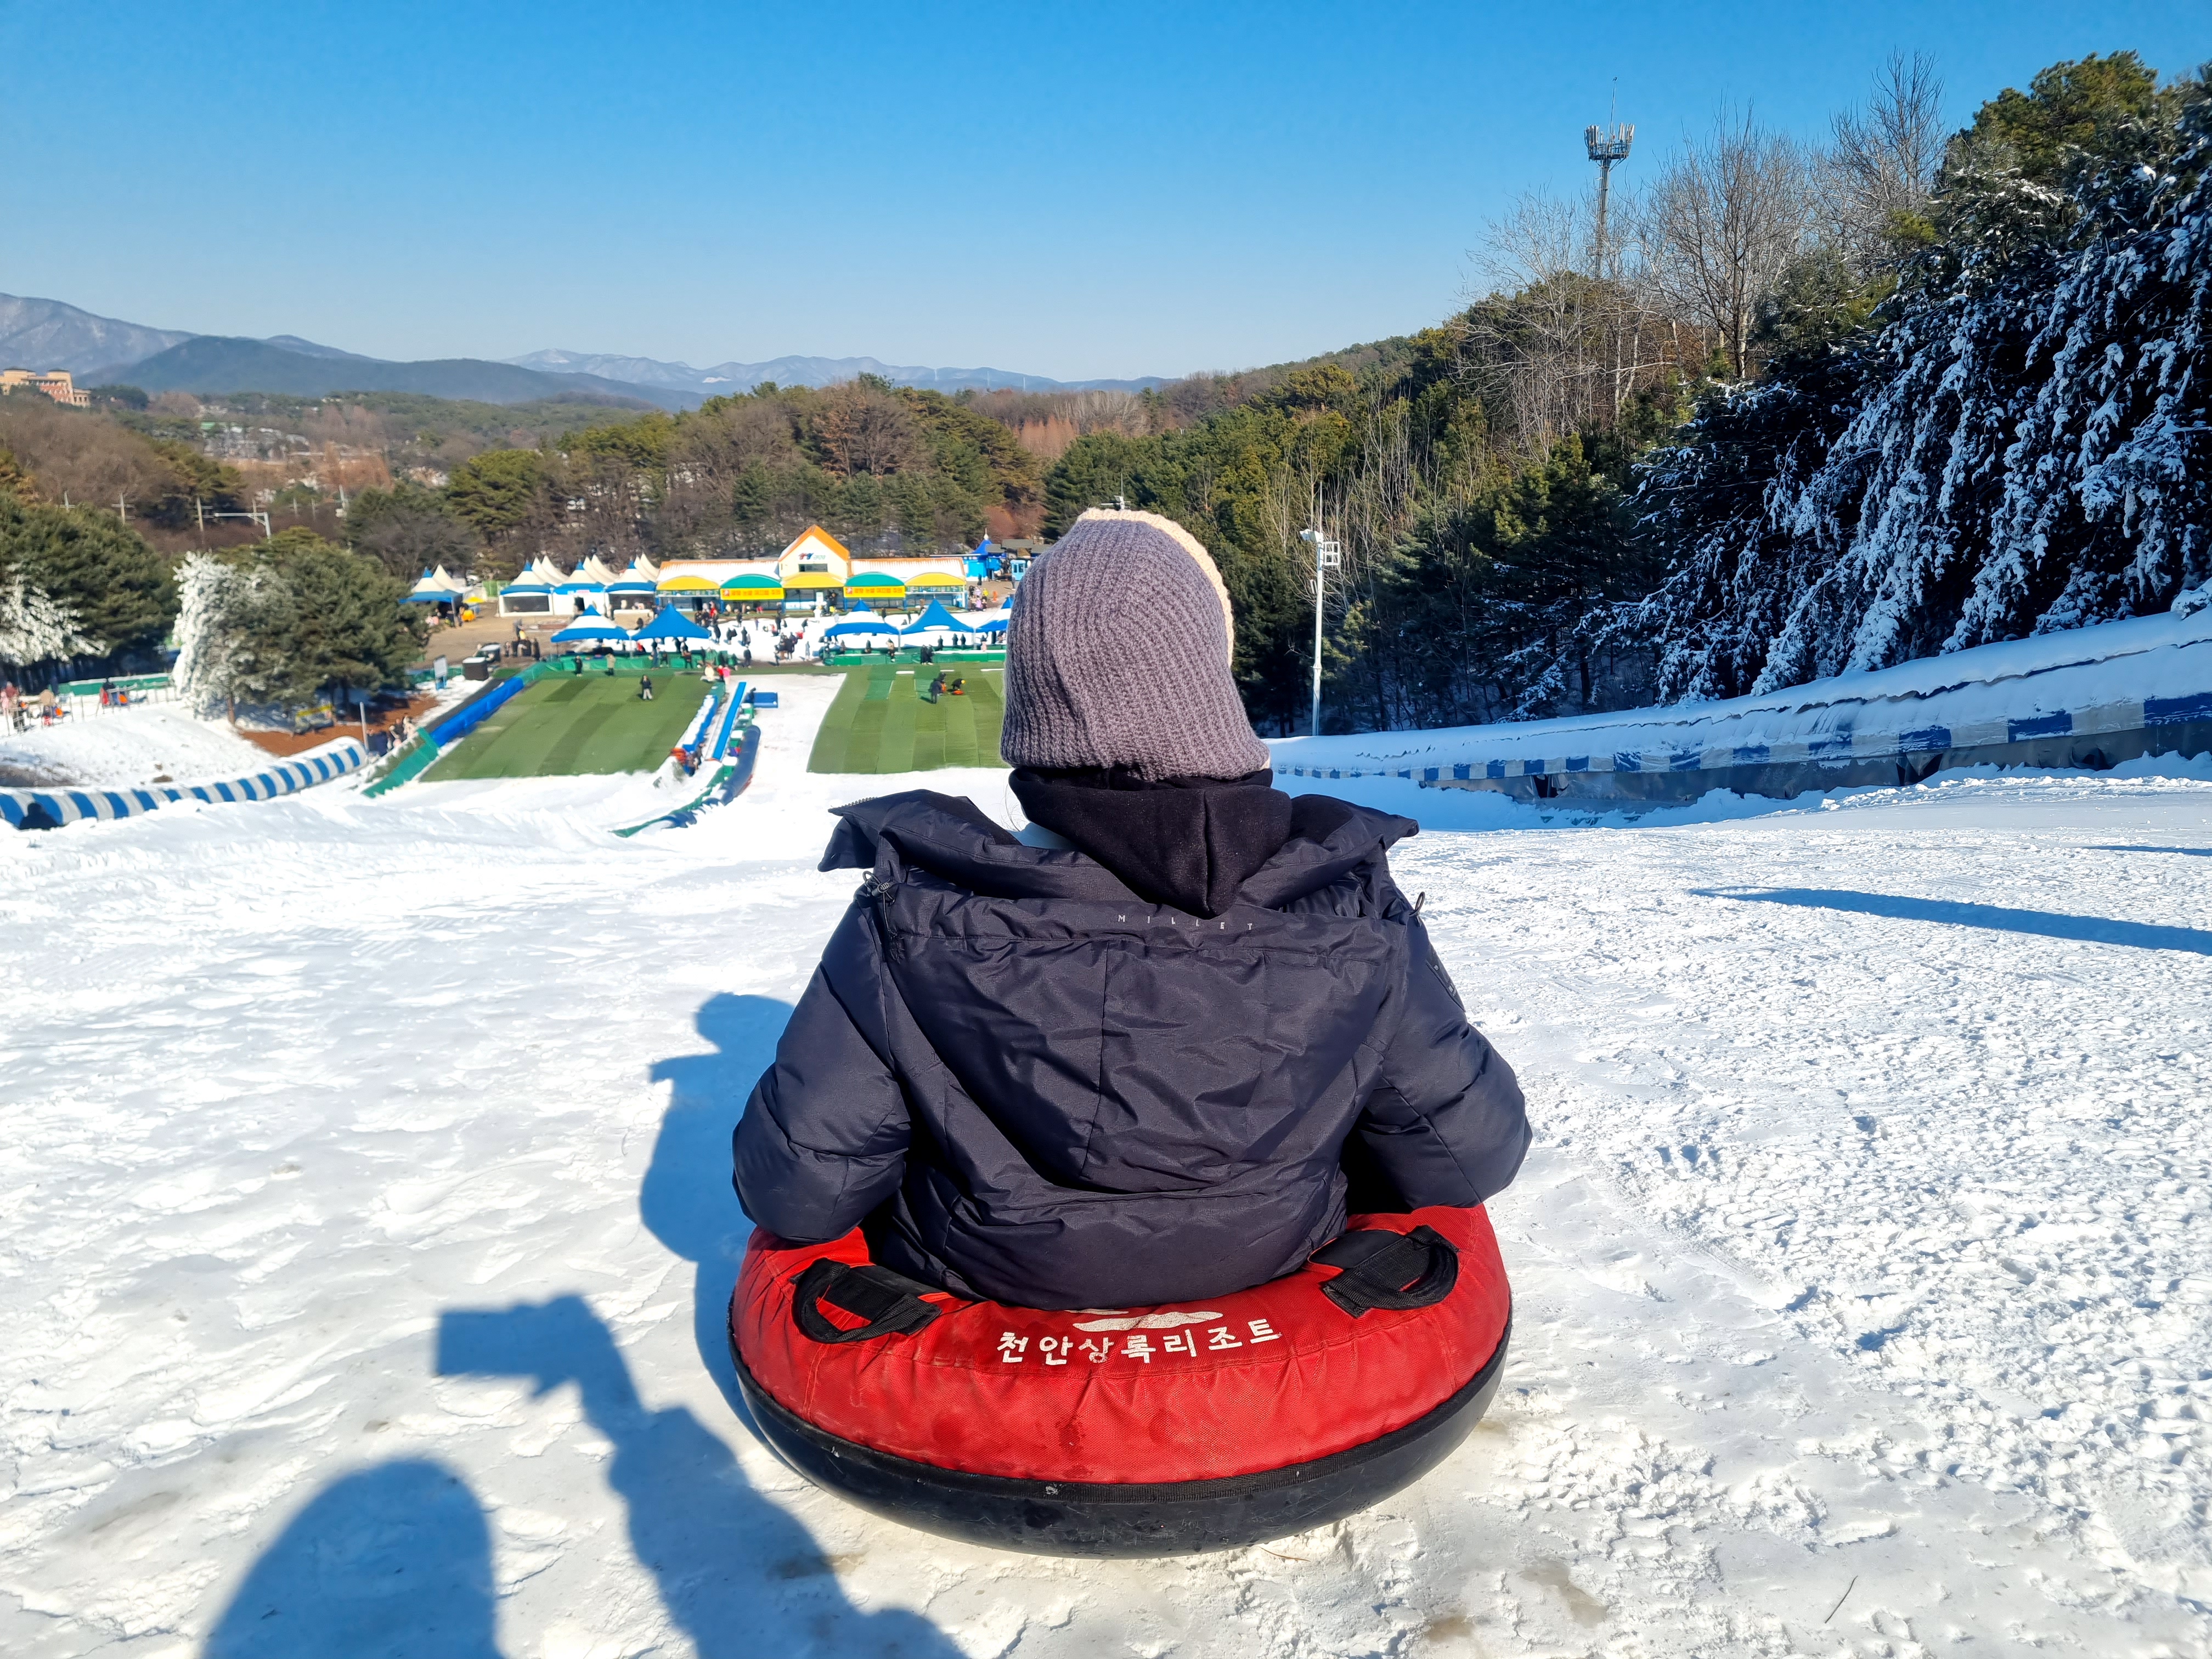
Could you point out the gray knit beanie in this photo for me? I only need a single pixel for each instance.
(1118, 655)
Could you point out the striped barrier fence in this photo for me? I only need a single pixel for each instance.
(2098, 737)
(50, 808)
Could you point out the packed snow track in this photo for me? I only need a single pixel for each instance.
(368, 1229)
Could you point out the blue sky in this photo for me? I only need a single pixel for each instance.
(1062, 190)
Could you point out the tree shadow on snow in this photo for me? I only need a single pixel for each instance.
(393, 1562)
(2042, 924)
(687, 1201)
(739, 1575)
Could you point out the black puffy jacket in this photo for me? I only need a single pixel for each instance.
(1038, 1086)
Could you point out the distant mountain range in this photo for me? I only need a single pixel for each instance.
(44, 334)
(101, 351)
(211, 364)
(725, 378)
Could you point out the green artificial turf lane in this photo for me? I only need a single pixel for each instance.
(564, 726)
(880, 723)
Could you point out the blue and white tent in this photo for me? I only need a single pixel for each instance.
(588, 627)
(586, 588)
(531, 592)
(641, 579)
(936, 618)
(435, 587)
(858, 625)
(673, 625)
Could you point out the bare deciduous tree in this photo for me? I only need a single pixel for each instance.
(1528, 337)
(79, 459)
(863, 431)
(1564, 348)
(1884, 159)
(1722, 221)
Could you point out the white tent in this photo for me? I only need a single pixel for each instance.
(637, 588)
(582, 590)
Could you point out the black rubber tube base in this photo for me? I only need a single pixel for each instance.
(1181, 1517)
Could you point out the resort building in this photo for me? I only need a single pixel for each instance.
(818, 572)
(54, 382)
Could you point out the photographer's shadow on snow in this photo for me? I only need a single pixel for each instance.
(392, 1562)
(738, 1574)
(687, 1200)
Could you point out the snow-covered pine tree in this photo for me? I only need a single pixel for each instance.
(36, 628)
(2021, 448)
(210, 592)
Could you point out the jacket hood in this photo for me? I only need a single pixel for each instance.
(1190, 842)
(1193, 848)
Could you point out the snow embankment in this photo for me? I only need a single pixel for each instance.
(129, 748)
(2112, 677)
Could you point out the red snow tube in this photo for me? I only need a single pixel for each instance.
(1136, 1431)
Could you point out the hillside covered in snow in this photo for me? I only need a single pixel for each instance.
(369, 1229)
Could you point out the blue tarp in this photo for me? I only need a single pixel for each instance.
(672, 624)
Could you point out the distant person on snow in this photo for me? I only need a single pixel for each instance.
(645, 688)
(1152, 1048)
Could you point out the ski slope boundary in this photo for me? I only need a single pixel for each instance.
(2090, 698)
(50, 808)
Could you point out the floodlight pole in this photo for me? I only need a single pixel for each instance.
(1327, 555)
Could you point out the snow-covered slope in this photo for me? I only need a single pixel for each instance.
(367, 1227)
(123, 748)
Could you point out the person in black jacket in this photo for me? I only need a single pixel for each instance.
(1146, 1051)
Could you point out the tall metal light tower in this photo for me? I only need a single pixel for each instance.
(1606, 147)
(1327, 555)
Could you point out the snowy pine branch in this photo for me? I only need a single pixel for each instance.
(35, 627)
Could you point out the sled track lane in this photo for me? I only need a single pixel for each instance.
(566, 727)
(881, 723)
